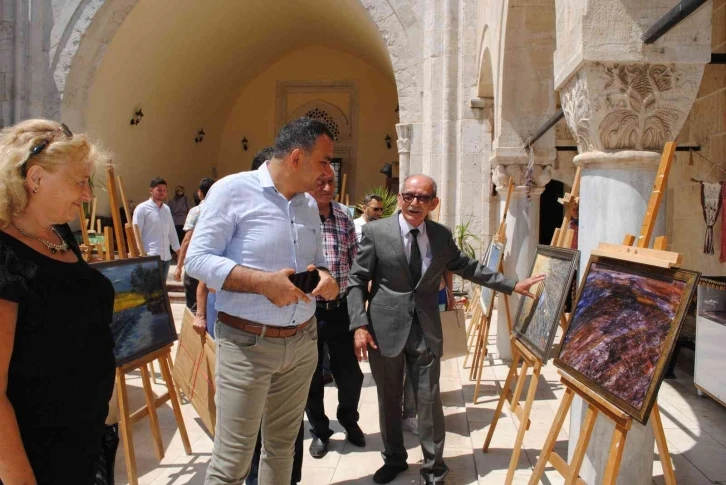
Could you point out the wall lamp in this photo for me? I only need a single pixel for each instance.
(244, 143)
(200, 136)
(388, 142)
(137, 117)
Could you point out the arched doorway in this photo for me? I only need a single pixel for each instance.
(205, 66)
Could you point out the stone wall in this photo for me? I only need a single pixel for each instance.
(705, 127)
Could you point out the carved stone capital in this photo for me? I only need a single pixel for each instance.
(404, 137)
(541, 175)
(628, 106)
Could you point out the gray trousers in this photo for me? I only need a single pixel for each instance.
(423, 369)
(259, 379)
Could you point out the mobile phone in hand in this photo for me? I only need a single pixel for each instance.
(306, 280)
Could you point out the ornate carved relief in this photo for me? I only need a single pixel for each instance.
(576, 106)
(404, 138)
(647, 103)
(610, 106)
(541, 175)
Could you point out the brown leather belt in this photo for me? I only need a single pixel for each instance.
(258, 328)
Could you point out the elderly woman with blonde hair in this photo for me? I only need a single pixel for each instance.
(56, 349)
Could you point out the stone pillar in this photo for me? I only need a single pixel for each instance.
(522, 234)
(404, 152)
(623, 100)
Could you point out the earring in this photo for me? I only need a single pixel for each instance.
(35, 190)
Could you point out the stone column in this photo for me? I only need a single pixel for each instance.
(404, 151)
(522, 234)
(622, 101)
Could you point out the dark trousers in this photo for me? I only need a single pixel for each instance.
(190, 292)
(333, 329)
(423, 369)
(296, 462)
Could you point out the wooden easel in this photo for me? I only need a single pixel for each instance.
(129, 418)
(596, 403)
(483, 325)
(528, 360)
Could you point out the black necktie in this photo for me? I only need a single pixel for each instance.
(414, 262)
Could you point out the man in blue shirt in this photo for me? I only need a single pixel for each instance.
(256, 230)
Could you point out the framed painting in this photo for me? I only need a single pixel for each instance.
(536, 323)
(623, 330)
(142, 318)
(492, 259)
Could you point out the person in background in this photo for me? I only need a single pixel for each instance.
(190, 284)
(372, 211)
(56, 350)
(340, 246)
(179, 206)
(156, 225)
(257, 229)
(405, 257)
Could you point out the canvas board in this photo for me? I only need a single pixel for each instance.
(536, 323)
(142, 319)
(623, 330)
(493, 258)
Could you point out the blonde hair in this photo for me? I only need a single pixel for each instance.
(17, 141)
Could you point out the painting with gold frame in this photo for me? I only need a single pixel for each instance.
(536, 322)
(623, 330)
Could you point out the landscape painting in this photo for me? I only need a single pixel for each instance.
(623, 330)
(536, 323)
(142, 319)
(492, 260)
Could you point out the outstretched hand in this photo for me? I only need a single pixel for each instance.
(522, 287)
(362, 339)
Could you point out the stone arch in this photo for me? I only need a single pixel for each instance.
(485, 80)
(90, 26)
(328, 113)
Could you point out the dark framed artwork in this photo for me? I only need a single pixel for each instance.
(623, 330)
(492, 259)
(536, 323)
(142, 318)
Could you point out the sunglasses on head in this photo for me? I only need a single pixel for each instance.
(423, 198)
(37, 149)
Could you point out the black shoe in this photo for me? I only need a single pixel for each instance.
(318, 448)
(387, 473)
(355, 435)
(327, 378)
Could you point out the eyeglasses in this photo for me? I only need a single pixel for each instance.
(37, 149)
(375, 209)
(423, 198)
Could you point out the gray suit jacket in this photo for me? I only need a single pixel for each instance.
(393, 298)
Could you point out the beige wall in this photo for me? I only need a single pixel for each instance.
(254, 113)
(705, 127)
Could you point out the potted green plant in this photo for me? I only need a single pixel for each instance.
(463, 238)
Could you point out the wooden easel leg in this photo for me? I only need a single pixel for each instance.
(523, 422)
(615, 457)
(551, 440)
(660, 439)
(471, 339)
(509, 321)
(579, 455)
(479, 349)
(482, 357)
(502, 398)
(174, 398)
(152, 371)
(151, 405)
(520, 386)
(125, 426)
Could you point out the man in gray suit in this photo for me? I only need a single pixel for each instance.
(405, 256)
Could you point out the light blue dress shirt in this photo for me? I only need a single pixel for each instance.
(246, 221)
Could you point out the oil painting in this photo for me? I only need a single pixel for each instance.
(142, 318)
(623, 330)
(493, 258)
(536, 323)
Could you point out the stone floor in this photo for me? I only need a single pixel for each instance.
(695, 428)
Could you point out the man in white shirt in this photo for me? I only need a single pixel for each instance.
(372, 211)
(156, 225)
